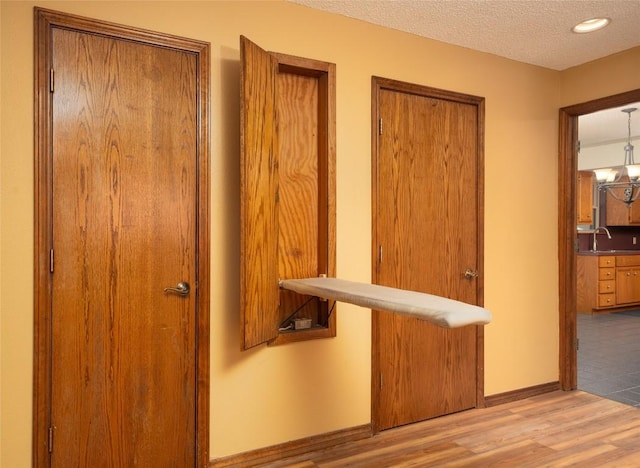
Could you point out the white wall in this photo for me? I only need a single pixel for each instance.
(606, 155)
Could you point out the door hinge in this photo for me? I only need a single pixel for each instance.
(379, 126)
(577, 344)
(576, 245)
(51, 261)
(380, 254)
(380, 379)
(51, 80)
(50, 441)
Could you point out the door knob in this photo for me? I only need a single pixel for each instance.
(182, 289)
(470, 274)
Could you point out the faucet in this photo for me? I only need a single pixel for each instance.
(595, 231)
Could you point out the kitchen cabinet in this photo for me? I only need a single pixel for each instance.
(607, 282)
(627, 279)
(627, 285)
(288, 210)
(619, 213)
(596, 283)
(585, 197)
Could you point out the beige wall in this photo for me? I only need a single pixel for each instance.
(611, 75)
(267, 396)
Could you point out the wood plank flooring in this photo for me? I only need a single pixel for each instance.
(550, 430)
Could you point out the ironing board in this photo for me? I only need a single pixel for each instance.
(440, 311)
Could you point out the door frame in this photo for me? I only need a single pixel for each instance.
(378, 84)
(44, 21)
(567, 226)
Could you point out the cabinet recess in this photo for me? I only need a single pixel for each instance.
(287, 192)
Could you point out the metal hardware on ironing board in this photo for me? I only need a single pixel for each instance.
(470, 274)
(182, 289)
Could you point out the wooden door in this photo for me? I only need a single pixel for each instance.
(123, 228)
(428, 224)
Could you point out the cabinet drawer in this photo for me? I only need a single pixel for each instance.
(606, 273)
(607, 261)
(606, 300)
(606, 286)
(627, 260)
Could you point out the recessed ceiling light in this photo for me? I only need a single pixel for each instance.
(591, 25)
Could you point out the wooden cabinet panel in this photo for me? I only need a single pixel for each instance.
(587, 278)
(287, 192)
(627, 260)
(607, 261)
(606, 273)
(606, 287)
(585, 197)
(607, 282)
(618, 213)
(627, 285)
(606, 300)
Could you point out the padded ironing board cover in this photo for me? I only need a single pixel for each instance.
(441, 311)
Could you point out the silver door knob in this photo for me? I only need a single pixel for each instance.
(470, 274)
(182, 289)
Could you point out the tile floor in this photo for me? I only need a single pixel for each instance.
(609, 356)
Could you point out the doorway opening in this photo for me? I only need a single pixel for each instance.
(567, 227)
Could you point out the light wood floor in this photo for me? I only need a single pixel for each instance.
(550, 430)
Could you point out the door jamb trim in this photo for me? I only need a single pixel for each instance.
(567, 227)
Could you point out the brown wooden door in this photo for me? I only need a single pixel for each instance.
(123, 351)
(427, 228)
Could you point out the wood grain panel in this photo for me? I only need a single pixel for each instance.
(288, 214)
(46, 21)
(427, 229)
(626, 260)
(587, 278)
(298, 196)
(259, 292)
(124, 210)
(584, 208)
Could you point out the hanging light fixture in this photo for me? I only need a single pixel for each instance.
(622, 182)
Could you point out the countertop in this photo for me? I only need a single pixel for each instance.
(600, 253)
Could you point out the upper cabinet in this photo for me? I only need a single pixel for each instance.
(287, 190)
(585, 197)
(619, 213)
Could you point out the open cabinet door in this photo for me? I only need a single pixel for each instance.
(287, 191)
(259, 181)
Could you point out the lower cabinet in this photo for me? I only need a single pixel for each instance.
(627, 280)
(607, 282)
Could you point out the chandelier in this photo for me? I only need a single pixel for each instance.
(622, 182)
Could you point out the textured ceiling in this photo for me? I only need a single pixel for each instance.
(537, 32)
